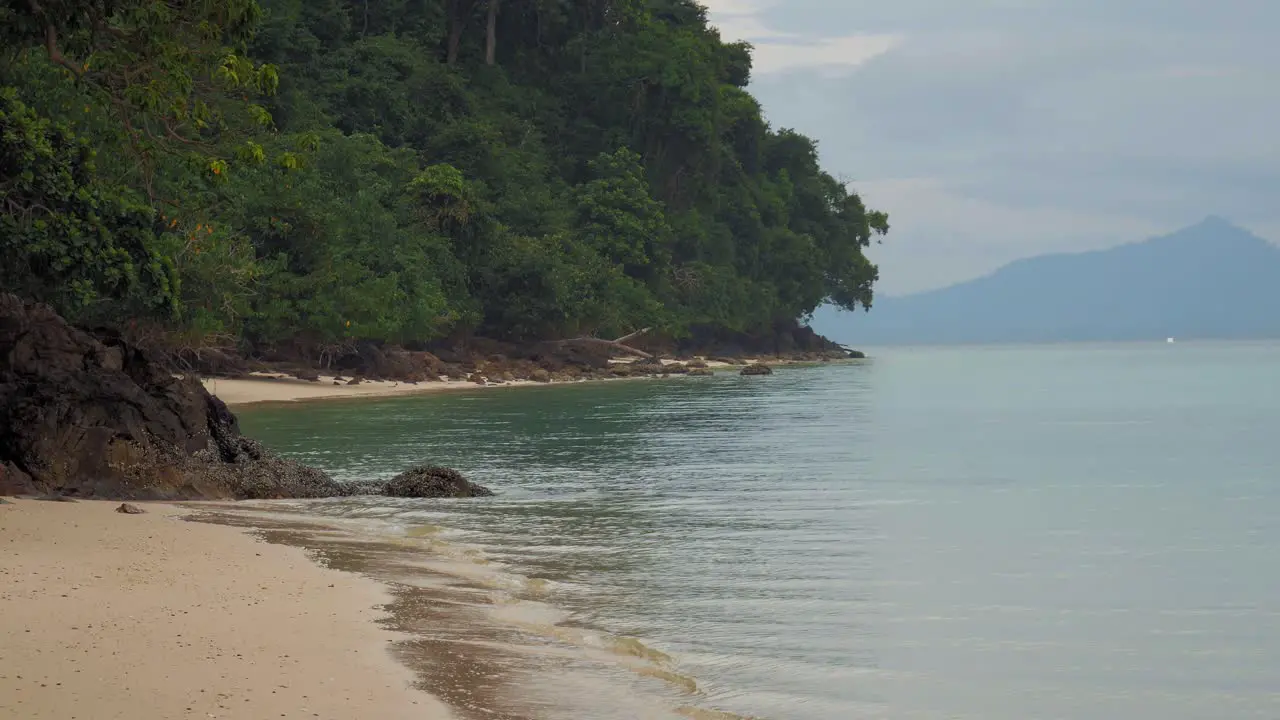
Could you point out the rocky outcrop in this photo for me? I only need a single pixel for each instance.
(430, 481)
(756, 370)
(785, 340)
(95, 417)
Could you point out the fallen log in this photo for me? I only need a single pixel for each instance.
(619, 344)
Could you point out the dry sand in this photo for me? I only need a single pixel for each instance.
(273, 388)
(265, 387)
(148, 617)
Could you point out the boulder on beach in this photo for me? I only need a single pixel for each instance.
(96, 417)
(756, 369)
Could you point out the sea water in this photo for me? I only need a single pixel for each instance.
(1066, 532)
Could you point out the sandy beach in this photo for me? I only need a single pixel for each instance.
(277, 388)
(148, 617)
(268, 388)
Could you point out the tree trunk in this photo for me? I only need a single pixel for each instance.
(457, 20)
(491, 38)
(609, 343)
(632, 336)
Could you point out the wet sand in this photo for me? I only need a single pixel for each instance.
(487, 641)
(148, 617)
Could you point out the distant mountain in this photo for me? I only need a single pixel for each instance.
(1210, 280)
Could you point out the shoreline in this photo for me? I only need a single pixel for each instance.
(108, 615)
(264, 388)
(481, 637)
(280, 388)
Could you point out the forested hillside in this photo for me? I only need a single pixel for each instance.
(310, 172)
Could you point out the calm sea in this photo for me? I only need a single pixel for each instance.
(1072, 532)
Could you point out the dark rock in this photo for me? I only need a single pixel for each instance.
(433, 482)
(757, 369)
(308, 375)
(540, 375)
(4, 502)
(12, 480)
(478, 379)
(727, 360)
(452, 355)
(130, 509)
(72, 423)
(784, 339)
(857, 355)
(112, 359)
(362, 487)
(702, 372)
(57, 498)
(354, 381)
(696, 364)
(675, 369)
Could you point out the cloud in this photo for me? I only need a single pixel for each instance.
(833, 54)
(997, 129)
(779, 51)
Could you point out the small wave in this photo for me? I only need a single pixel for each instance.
(634, 648)
(537, 617)
(422, 531)
(697, 713)
(684, 682)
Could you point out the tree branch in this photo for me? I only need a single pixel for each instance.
(633, 335)
(51, 40)
(610, 343)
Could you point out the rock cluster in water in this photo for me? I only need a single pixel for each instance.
(95, 417)
(430, 481)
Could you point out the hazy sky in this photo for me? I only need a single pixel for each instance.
(996, 129)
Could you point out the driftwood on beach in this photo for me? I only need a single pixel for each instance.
(619, 344)
(95, 417)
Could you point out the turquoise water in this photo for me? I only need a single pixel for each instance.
(1075, 532)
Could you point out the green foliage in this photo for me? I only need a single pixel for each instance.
(322, 171)
(172, 73)
(67, 237)
(618, 219)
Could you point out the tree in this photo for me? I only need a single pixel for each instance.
(168, 71)
(618, 219)
(603, 169)
(67, 237)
